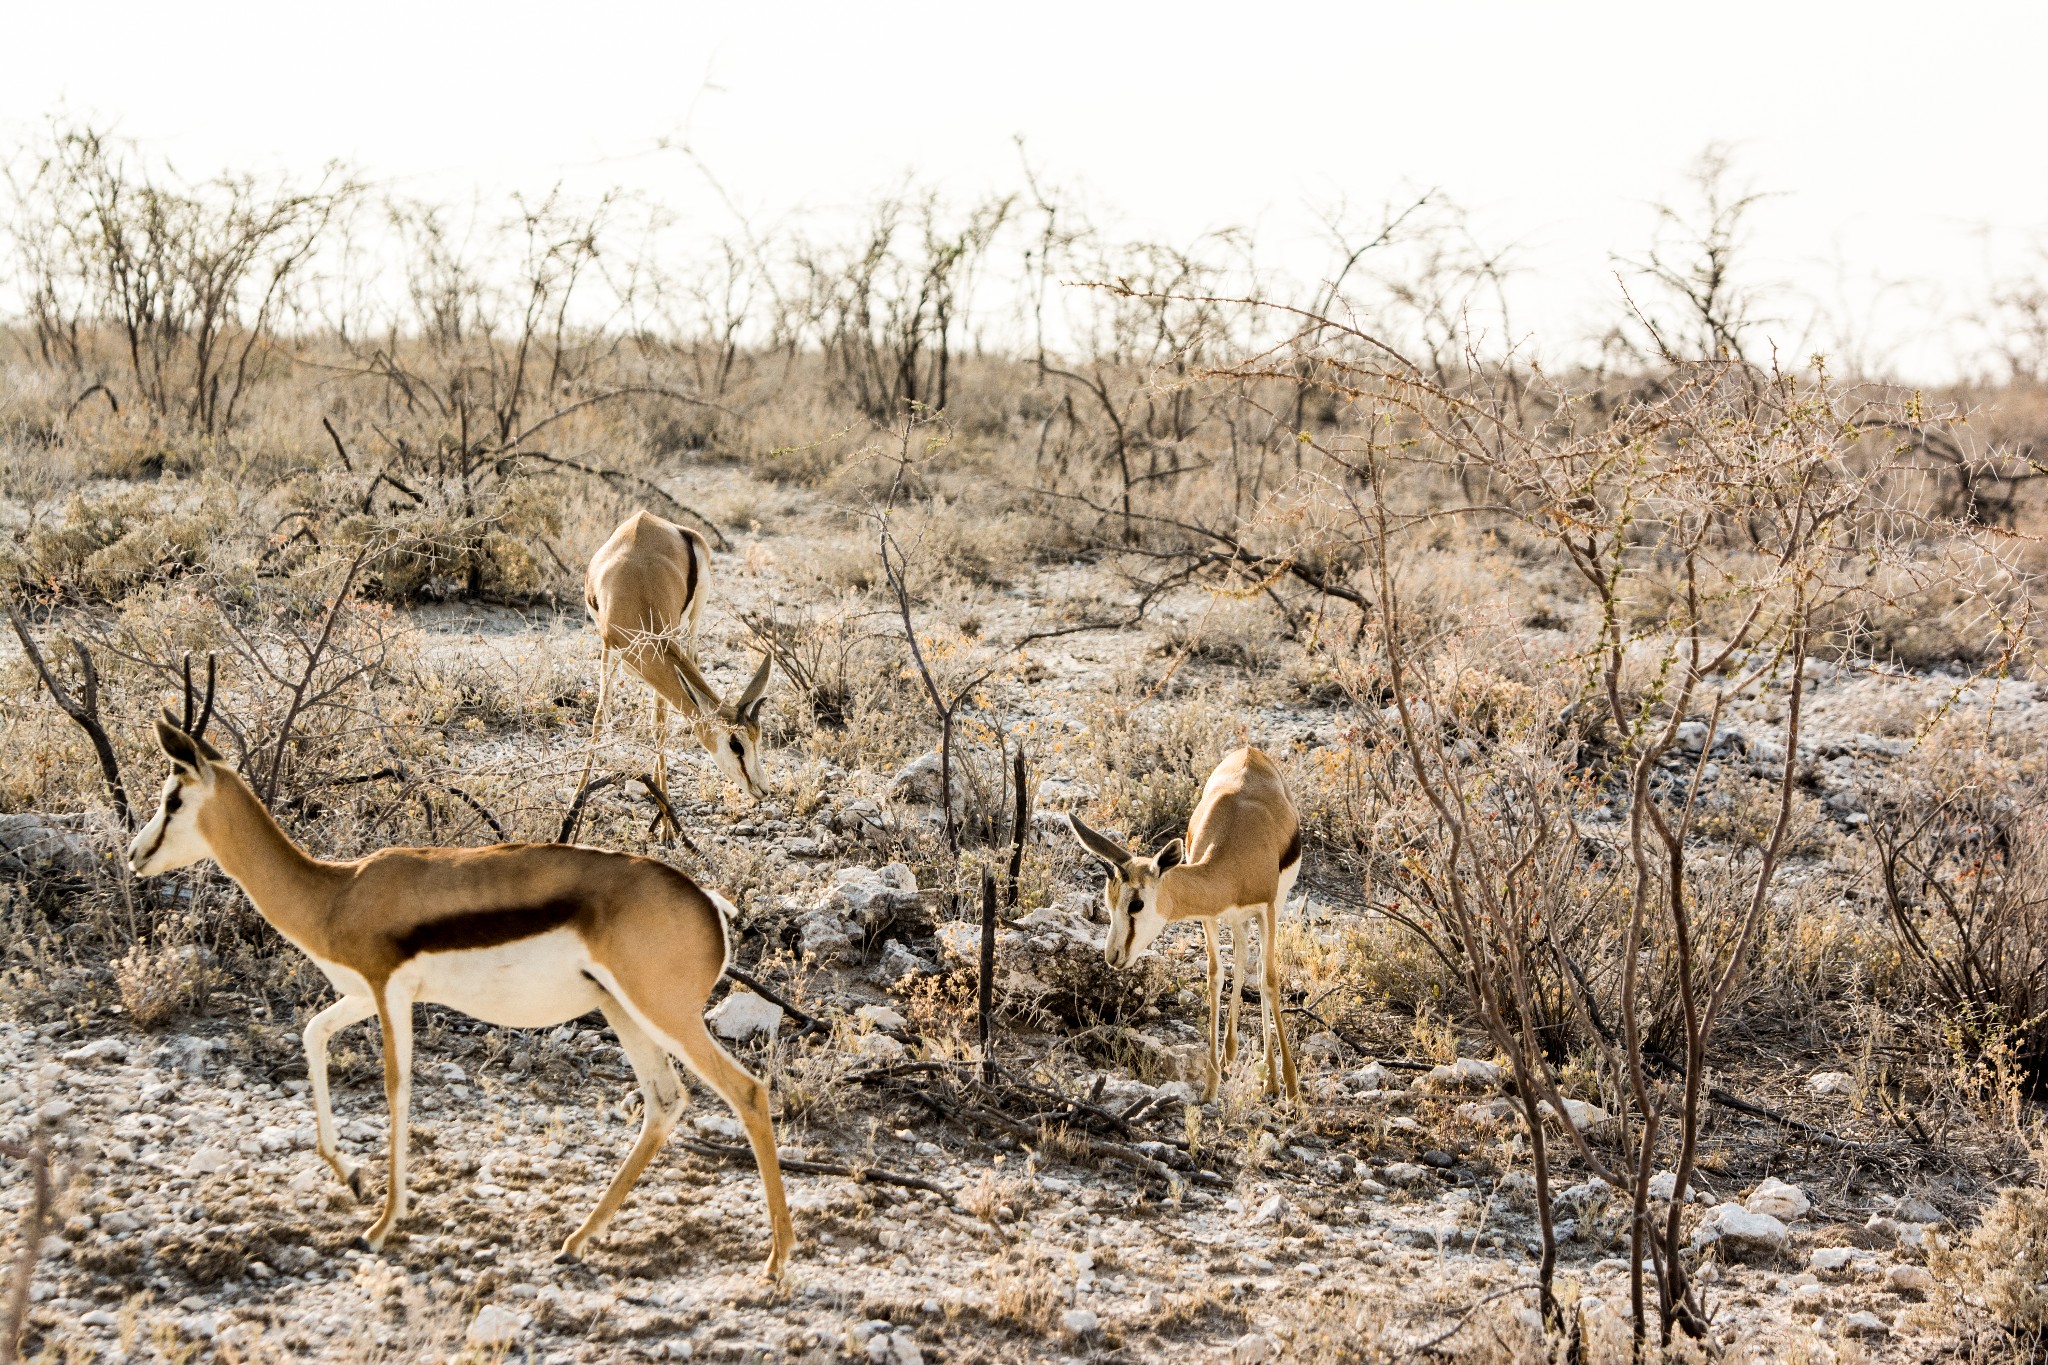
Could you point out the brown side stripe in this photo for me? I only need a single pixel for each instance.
(690, 574)
(476, 929)
(1293, 853)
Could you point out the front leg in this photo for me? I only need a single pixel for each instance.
(1211, 934)
(320, 1030)
(394, 1017)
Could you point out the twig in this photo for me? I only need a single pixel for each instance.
(986, 986)
(85, 710)
(619, 476)
(1465, 1317)
(866, 1175)
(112, 401)
(339, 448)
(1020, 828)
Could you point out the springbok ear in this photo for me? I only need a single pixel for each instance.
(178, 746)
(752, 696)
(1105, 849)
(1171, 854)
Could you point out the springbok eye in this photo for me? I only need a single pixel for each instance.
(1137, 904)
(739, 750)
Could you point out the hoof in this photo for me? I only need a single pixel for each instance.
(567, 1257)
(358, 1186)
(361, 1243)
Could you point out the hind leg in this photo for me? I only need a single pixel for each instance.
(395, 1017)
(664, 1101)
(1239, 941)
(604, 690)
(1275, 1007)
(687, 1035)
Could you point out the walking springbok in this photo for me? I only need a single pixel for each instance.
(645, 587)
(1240, 859)
(521, 935)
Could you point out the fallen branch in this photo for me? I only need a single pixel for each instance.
(866, 1175)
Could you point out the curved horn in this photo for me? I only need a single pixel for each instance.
(757, 686)
(186, 723)
(206, 710)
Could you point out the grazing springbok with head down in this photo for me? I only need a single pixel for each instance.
(1239, 861)
(522, 935)
(645, 589)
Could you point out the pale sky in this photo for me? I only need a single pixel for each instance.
(1907, 139)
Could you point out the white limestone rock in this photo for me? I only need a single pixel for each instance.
(743, 1015)
(1735, 1231)
(1779, 1200)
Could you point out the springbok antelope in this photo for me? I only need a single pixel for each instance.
(522, 935)
(1240, 859)
(645, 587)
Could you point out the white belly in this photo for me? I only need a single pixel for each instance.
(532, 983)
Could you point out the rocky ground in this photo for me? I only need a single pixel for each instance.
(204, 1222)
(1385, 1216)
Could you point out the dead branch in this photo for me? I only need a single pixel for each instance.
(84, 709)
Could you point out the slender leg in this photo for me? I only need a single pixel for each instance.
(320, 1030)
(665, 1100)
(1238, 993)
(604, 691)
(686, 1035)
(661, 743)
(1211, 933)
(1276, 1017)
(395, 1019)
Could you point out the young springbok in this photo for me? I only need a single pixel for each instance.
(522, 935)
(645, 589)
(1240, 859)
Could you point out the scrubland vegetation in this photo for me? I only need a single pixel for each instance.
(1665, 727)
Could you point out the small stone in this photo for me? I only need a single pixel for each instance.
(1274, 1210)
(1831, 1260)
(1439, 1158)
(494, 1325)
(1253, 1348)
(1916, 1280)
(1865, 1324)
(1913, 1209)
(1487, 1114)
(1371, 1076)
(119, 1223)
(894, 1348)
(1467, 1074)
(208, 1160)
(719, 1126)
(1589, 1119)
(743, 1015)
(98, 1317)
(1830, 1083)
(1778, 1199)
(900, 964)
(1079, 1322)
(1405, 1173)
(880, 1047)
(881, 1017)
(99, 1050)
(1741, 1233)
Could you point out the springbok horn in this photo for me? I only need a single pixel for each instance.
(186, 724)
(205, 711)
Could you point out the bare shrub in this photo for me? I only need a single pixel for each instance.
(2001, 1269)
(1961, 846)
